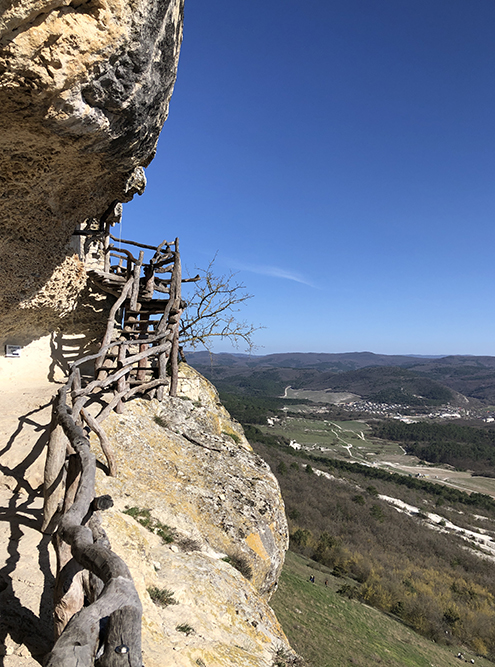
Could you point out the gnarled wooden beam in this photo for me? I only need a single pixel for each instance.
(118, 606)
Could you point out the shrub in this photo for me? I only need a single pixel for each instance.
(377, 513)
(241, 564)
(301, 537)
(161, 596)
(160, 421)
(143, 516)
(236, 438)
(185, 628)
(284, 658)
(188, 544)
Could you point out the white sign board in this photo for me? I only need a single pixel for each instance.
(13, 350)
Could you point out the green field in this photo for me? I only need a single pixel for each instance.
(321, 396)
(351, 440)
(329, 630)
(344, 439)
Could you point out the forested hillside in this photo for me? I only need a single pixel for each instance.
(390, 560)
(401, 379)
(433, 580)
(460, 446)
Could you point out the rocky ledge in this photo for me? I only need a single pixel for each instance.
(214, 533)
(84, 92)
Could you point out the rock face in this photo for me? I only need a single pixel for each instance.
(190, 465)
(84, 92)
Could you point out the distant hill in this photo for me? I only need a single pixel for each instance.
(345, 361)
(364, 373)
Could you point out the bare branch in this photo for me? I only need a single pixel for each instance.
(210, 312)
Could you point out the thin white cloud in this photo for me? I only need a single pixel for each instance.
(273, 271)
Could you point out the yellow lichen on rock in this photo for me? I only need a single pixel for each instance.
(255, 543)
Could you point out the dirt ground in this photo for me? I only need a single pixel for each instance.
(26, 555)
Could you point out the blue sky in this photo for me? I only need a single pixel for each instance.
(341, 157)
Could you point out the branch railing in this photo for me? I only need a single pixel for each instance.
(138, 354)
(106, 633)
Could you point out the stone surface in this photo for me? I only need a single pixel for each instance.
(219, 501)
(231, 624)
(190, 464)
(84, 91)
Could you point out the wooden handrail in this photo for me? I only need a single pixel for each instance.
(118, 601)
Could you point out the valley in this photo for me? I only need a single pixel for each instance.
(393, 497)
(353, 441)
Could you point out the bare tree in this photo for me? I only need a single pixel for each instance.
(211, 312)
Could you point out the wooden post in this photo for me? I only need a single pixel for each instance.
(122, 381)
(144, 322)
(174, 362)
(54, 482)
(135, 284)
(173, 306)
(68, 594)
(106, 249)
(111, 322)
(104, 442)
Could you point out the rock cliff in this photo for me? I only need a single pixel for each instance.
(198, 517)
(197, 514)
(84, 92)
(188, 464)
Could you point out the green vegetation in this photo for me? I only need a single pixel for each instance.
(421, 392)
(256, 409)
(236, 438)
(284, 658)
(161, 596)
(363, 374)
(241, 564)
(389, 560)
(335, 436)
(328, 629)
(459, 446)
(440, 492)
(143, 516)
(253, 433)
(185, 628)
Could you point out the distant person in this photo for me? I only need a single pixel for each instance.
(326, 582)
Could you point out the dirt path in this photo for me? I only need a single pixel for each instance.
(26, 556)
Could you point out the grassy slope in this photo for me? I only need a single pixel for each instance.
(329, 630)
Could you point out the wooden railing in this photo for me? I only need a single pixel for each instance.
(138, 354)
(108, 630)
